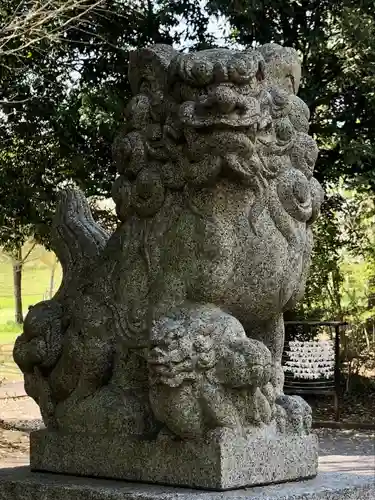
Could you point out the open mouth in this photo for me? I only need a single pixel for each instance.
(223, 134)
(220, 140)
(237, 118)
(249, 122)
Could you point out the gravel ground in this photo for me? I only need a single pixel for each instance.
(347, 451)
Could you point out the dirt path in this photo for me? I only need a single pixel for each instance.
(21, 413)
(14, 448)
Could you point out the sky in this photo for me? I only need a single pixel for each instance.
(218, 27)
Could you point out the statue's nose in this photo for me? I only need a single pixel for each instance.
(222, 100)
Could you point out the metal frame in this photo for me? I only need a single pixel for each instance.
(333, 389)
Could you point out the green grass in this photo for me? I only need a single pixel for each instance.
(35, 279)
(9, 332)
(7, 307)
(9, 371)
(35, 283)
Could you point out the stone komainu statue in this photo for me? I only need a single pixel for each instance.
(173, 324)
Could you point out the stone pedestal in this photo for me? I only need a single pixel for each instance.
(225, 462)
(20, 484)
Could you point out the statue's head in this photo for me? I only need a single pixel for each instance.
(221, 135)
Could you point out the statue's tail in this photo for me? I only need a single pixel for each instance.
(76, 238)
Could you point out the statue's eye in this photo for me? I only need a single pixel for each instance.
(183, 92)
(202, 72)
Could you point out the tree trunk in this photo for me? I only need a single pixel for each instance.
(17, 281)
(347, 388)
(52, 279)
(371, 296)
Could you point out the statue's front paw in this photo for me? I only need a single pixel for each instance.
(293, 414)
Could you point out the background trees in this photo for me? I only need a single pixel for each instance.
(35, 75)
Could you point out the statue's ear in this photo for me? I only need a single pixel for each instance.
(282, 65)
(150, 67)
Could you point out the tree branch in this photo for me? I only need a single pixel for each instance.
(24, 259)
(39, 21)
(11, 102)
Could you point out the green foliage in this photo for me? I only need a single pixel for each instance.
(61, 104)
(343, 265)
(341, 285)
(322, 297)
(29, 175)
(336, 44)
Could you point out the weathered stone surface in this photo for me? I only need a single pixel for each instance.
(20, 484)
(173, 324)
(222, 462)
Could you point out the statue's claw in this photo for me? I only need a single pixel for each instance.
(293, 414)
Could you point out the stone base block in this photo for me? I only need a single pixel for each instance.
(225, 462)
(21, 484)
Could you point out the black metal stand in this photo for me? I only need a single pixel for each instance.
(329, 387)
